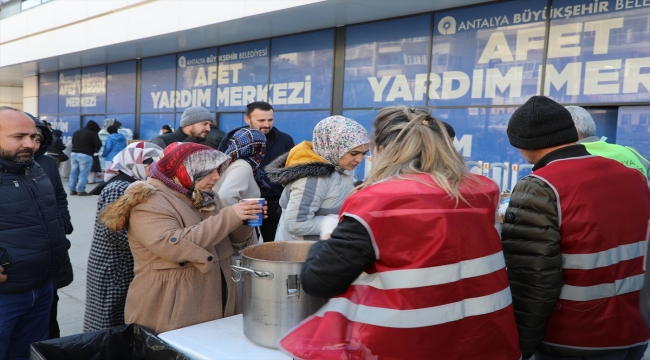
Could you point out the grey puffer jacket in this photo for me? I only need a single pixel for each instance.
(531, 245)
(311, 192)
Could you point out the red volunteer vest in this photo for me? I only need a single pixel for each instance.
(438, 289)
(603, 221)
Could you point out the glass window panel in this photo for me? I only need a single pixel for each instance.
(68, 124)
(633, 128)
(599, 55)
(605, 119)
(243, 75)
(48, 90)
(301, 71)
(93, 90)
(151, 124)
(158, 84)
(487, 55)
(386, 62)
(231, 121)
(127, 120)
(299, 124)
(120, 97)
(481, 136)
(196, 79)
(69, 91)
(28, 4)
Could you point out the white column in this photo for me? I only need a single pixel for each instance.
(30, 95)
(11, 96)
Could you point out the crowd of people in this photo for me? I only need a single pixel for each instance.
(409, 258)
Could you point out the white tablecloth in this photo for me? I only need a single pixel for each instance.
(219, 339)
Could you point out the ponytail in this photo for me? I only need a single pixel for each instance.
(412, 142)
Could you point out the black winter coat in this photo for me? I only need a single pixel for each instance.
(531, 246)
(31, 235)
(277, 144)
(215, 136)
(86, 141)
(65, 276)
(175, 136)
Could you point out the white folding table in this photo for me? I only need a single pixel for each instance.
(219, 339)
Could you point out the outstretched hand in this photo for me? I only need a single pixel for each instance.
(249, 210)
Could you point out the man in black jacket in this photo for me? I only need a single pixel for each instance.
(195, 127)
(65, 276)
(572, 240)
(85, 144)
(32, 241)
(259, 116)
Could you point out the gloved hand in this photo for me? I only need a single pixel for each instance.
(327, 225)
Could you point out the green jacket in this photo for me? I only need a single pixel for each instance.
(623, 154)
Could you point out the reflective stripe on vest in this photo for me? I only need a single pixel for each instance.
(419, 298)
(415, 278)
(602, 253)
(405, 319)
(599, 260)
(604, 258)
(601, 291)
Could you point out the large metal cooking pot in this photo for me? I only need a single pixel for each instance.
(273, 298)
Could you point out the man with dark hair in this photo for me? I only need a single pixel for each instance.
(32, 241)
(259, 116)
(166, 129)
(194, 127)
(85, 145)
(573, 239)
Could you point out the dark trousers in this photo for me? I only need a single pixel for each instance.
(633, 353)
(55, 332)
(23, 320)
(270, 225)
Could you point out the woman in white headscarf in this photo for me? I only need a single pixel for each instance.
(317, 176)
(110, 264)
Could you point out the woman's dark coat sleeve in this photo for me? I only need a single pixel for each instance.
(333, 265)
(531, 245)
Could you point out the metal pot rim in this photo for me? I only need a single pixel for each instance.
(276, 261)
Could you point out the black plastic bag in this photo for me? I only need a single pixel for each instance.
(118, 343)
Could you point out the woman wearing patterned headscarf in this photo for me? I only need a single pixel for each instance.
(181, 237)
(317, 176)
(244, 178)
(110, 264)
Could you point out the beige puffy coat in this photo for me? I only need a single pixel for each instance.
(179, 253)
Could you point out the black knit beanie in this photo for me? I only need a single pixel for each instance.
(541, 123)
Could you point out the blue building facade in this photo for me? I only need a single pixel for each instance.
(471, 66)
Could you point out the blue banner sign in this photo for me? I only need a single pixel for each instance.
(93, 90)
(69, 91)
(487, 55)
(158, 84)
(196, 76)
(242, 75)
(599, 51)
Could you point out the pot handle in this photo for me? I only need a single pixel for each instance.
(257, 273)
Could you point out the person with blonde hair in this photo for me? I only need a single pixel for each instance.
(415, 268)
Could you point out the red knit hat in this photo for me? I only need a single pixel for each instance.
(183, 164)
